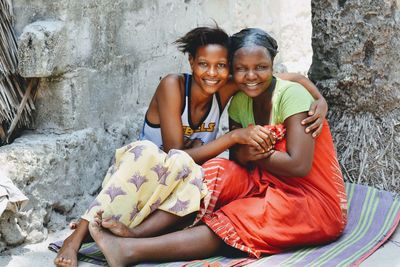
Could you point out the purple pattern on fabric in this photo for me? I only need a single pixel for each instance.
(137, 151)
(162, 173)
(198, 182)
(180, 206)
(185, 172)
(155, 205)
(113, 192)
(138, 180)
(134, 212)
(93, 204)
(116, 217)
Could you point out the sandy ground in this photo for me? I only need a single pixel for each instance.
(37, 255)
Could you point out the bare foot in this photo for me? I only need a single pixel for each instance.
(110, 245)
(114, 226)
(117, 228)
(67, 256)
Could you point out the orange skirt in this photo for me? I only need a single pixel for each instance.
(260, 213)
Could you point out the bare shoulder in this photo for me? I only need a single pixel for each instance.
(170, 80)
(170, 91)
(170, 84)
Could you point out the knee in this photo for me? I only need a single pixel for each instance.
(333, 230)
(143, 149)
(337, 228)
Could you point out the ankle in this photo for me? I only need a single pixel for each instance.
(73, 242)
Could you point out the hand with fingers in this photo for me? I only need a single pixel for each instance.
(191, 143)
(259, 137)
(245, 154)
(316, 117)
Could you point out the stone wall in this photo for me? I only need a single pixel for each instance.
(355, 63)
(99, 63)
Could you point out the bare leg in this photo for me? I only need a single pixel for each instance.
(159, 222)
(194, 243)
(67, 256)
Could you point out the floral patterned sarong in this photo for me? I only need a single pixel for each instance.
(144, 179)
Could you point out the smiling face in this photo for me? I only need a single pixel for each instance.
(210, 67)
(252, 69)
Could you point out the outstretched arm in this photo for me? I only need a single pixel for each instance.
(318, 109)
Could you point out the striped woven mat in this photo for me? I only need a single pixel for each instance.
(373, 215)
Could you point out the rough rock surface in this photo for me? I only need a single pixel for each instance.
(355, 63)
(39, 46)
(56, 171)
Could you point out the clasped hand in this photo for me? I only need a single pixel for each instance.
(256, 142)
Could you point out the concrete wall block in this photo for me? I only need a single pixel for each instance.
(58, 173)
(41, 49)
(58, 102)
(149, 73)
(90, 98)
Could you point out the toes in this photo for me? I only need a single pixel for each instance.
(97, 221)
(61, 262)
(57, 261)
(99, 213)
(108, 223)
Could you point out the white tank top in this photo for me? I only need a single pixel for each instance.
(206, 130)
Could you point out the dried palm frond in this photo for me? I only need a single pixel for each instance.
(16, 93)
(366, 148)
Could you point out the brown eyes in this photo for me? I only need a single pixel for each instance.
(219, 65)
(257, 68)
(261, 67)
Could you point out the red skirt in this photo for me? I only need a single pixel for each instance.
(260, 213)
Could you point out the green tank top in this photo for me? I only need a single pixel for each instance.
(289, 98)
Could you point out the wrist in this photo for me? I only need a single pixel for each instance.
(232, 137)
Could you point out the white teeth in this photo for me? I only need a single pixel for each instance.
(251, 84)
(211, 82)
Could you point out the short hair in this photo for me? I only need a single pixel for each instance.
(252, 37)
(201, 36)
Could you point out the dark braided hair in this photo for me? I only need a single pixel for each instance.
(252, 37)
(200, 36)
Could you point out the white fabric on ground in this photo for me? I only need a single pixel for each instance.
(11, 198)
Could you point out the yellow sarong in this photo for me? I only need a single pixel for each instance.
(144, 179)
